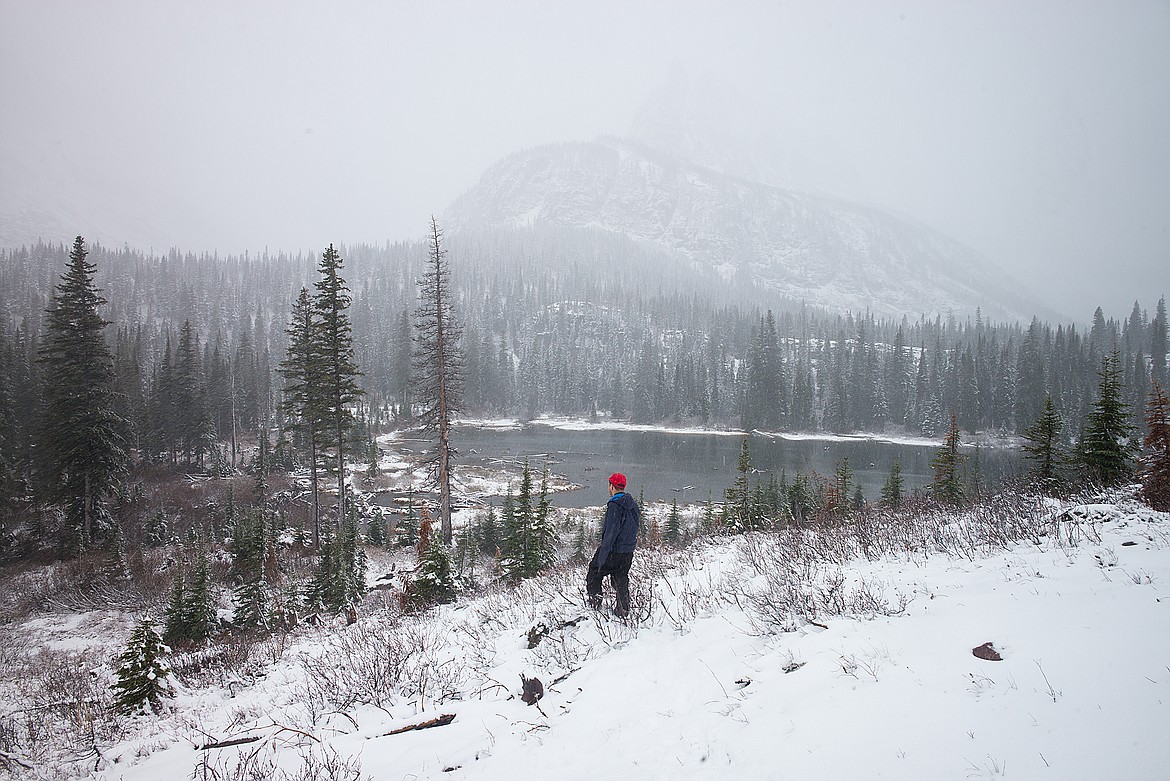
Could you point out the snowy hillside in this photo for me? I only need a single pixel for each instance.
(807, 247)
(770, 656)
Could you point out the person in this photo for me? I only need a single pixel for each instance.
(619, 537)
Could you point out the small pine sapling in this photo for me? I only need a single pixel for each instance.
(143, 676)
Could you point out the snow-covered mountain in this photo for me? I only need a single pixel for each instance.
(802, 246)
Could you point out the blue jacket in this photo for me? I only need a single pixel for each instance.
(620, 533)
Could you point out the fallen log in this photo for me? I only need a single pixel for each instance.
(438, 721)
(226, 743)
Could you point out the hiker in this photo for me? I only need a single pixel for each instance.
(619, 537)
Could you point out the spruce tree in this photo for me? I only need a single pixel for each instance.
(82, 445)
(434, 582)
(1155, 474)
(672, 530)
(143, 676)
(1158, 350)
(338, 370)
(542, 552)
(303, 403)
(1106, 449)
(947, 462)
(251, 601)
(438, 367)
(892, 490)
(739, 511)
(489, 533)
(198, 613)
(175, 630)
(1043, 446)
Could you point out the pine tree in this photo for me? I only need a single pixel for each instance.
(175, 630)
(438, 367)
(739, 511)
(842, 487)
(948, 484)
(1158, 336)
(543, 549)
(1106, 448)
(143, 676)
(251, 598)
(1156, 461)
(82, 445)
(198, 613)
(338, 371)
(407, 528)
(302, 371)
(892, 490)
(672, 530)
(434, 582)
(709, 522)
(489, 533)
(1043, 445)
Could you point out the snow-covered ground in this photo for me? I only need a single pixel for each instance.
(747, 660)
(578, 424)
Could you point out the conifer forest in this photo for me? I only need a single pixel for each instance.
(194, 356)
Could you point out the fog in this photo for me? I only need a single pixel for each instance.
(1038, 133)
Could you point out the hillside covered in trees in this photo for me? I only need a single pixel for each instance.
(571, 324)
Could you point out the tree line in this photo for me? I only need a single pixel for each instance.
(201, 353)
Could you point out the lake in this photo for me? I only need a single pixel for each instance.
(665, 465)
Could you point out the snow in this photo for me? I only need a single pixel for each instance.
(578, 424)
(702, 685)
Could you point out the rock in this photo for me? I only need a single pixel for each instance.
(987, 651)
(533, 689)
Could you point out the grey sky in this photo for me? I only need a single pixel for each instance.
(1037, 132)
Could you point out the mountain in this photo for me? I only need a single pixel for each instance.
(795, 245)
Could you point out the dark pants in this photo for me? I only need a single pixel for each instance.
(617, 566)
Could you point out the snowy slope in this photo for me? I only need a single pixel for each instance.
(707, 684)
(808, 247)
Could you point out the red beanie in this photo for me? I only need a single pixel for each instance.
(618, 481)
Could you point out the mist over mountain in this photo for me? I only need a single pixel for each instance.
(796, 245)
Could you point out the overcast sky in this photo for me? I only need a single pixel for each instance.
(1036, 132)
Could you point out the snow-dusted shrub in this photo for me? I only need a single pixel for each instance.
(56, 708)
(381, 663)
(789, 585)
(267, 763)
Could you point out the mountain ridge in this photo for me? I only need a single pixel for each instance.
(804, 246)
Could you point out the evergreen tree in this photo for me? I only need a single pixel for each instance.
(438, 367)
(302, 370)
(740, 513)
(82, 445)
(143, 676)
(543, 550)
(580, 551)
(947, 462)
(407, 528)
(198, 614)
(838, 500)
(672, 530)
(1156, 461)
(709, 523)
(892, 490)
(1106, 448)
(338, 372)
(175, 630)
(434, 582)
(489, 533)
(251, 598)
(1043, 445)
(801, 502)
(1158, 336)
(529, 535)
